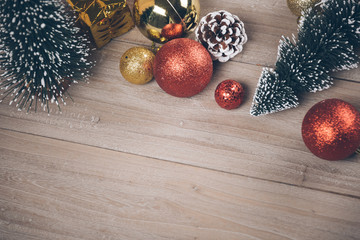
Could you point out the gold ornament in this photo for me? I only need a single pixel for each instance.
(105, 19)
(297, 6)
(136, 65)
(163, 20)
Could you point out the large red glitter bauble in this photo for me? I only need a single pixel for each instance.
(183, 67)
(331, 129)
(229, 94)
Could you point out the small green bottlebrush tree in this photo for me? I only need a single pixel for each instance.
(325, 43)
(41, 52)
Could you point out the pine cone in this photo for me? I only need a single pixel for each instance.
(222, 33)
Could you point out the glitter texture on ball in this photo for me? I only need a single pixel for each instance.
(229, 94)
(183, 67)
(136, 65)
(331, 129)
(298, 6)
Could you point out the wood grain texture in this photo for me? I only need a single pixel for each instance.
(58, 190)
(111, 113)
(130, 162)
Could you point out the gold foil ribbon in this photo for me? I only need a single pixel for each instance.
(106, 19)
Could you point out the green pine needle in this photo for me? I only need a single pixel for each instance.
(270, 96)
(41, 53)
(325, 43)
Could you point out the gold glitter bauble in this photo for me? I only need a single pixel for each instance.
(297, 6)
(163, 20)
(136, 65)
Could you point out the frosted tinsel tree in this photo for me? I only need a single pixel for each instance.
(326, 42)
(40, 52)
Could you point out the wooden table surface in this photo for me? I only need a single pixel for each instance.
(131, 162)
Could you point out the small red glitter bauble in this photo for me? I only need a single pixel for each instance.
(229, 94)
(183, 67)
(331, 129)
(172, 30)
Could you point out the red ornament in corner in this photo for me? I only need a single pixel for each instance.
(183, 67)
(229, 94)
(331, 129)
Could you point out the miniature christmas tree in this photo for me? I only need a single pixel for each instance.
(325, 43)
(40, 52)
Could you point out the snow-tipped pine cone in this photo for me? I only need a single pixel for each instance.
(222, 33)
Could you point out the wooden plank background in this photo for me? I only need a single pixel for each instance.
(130, 162)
